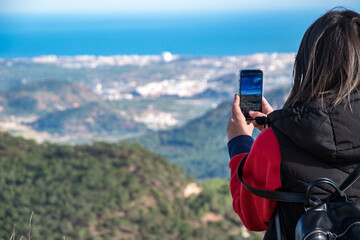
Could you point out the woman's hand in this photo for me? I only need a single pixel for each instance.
(266, 109)
(237, 124)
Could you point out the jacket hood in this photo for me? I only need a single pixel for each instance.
(331, 133)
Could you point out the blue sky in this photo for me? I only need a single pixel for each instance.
(138, 6)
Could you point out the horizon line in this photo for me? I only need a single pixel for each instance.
(176, 12)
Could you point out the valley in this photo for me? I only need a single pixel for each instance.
(80, 99)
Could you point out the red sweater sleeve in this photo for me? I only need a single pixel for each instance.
(261, 170)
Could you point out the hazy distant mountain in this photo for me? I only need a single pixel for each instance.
(46, 96)
(94, 119)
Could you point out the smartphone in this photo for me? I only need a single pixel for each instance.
(250, 91)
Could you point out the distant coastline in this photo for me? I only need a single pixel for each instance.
(94, 61)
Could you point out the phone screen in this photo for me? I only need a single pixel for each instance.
(251, 82)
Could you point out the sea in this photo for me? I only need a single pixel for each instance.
(192, 34)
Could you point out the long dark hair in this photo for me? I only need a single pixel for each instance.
(327, 64)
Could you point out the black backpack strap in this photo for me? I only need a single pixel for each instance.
(353, 177)
(290, 196)
(272, 195)
(278, 226)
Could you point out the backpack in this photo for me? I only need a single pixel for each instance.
(332, 218)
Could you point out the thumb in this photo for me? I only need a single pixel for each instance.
(254, 114)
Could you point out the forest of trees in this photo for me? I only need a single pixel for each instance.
(106, 191)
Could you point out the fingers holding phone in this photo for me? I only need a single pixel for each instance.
(248, 105)
(266, 109)
(237, 124)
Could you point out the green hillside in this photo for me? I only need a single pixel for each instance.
(106, 191)
(200, 146)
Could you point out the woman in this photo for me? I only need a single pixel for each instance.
(316, 134)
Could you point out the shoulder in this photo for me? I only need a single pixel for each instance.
(266, 142)
(267, 135)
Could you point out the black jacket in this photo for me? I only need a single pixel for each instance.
(315, 141)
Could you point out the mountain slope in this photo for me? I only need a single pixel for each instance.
(199, 146)
(107, 191)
